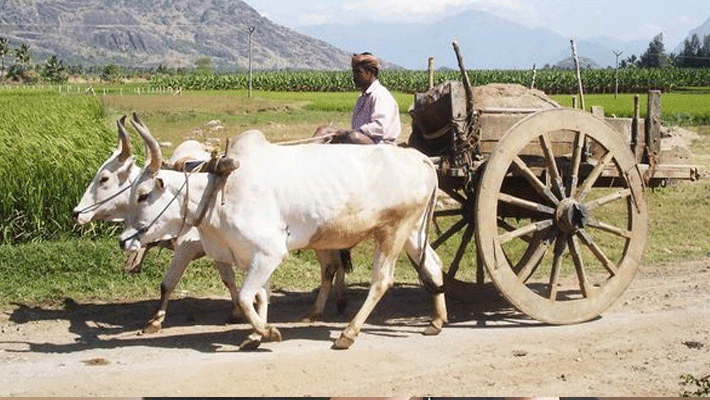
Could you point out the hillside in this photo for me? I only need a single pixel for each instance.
(147, 33)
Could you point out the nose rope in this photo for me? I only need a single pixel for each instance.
(98, 204)
(145, 228)
(185, 210)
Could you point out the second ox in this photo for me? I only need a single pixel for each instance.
(284, 198)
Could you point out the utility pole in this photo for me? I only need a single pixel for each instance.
(616, 85)
(251, 35)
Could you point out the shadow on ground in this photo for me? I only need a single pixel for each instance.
(404, 310)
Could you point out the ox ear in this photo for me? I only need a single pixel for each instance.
(155, 157)
(124, 141)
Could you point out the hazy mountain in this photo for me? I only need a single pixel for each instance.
(170, 32)
(487, 42)
(702, 31)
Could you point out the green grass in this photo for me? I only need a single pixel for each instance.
(50, 147)
(678, 108)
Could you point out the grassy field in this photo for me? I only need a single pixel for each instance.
(87, 268)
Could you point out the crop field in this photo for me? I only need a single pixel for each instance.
(52, 143)
(631, 80)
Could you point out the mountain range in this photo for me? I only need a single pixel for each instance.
(176, 33)
(486, 41)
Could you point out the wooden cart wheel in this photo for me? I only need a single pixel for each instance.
(463, 270)
(568, 180)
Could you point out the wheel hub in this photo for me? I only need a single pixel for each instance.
(571, 215)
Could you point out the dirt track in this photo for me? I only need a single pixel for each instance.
(657, 331)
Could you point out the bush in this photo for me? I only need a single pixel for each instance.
(50, 146)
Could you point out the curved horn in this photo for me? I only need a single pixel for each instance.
(155, 158)
(124, 140)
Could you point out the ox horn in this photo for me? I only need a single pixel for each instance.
(155, 157)
(124, 140)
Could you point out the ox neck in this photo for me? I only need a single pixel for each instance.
(195, 195)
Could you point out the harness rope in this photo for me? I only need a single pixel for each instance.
(308, 140)
(102, 202)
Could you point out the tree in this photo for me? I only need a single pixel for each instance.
(111, 73)
(688, 57)
(204, 64)
(4, 51)
(54, 70)
(631, 61)
(22, 55)
(655, 56)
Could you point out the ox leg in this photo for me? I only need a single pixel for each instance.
(382, 279)
(346, 265)
(432, 278)
(329, 263)
(184, 253)
(254, 288)
(226, 272)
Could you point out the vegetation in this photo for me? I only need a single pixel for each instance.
(551, 81)
(50, 146)
(701, 386)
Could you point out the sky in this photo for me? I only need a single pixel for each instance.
(581, 19)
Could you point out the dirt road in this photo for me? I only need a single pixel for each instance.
(657, 331)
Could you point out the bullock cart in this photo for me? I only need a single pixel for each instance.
(545, 203)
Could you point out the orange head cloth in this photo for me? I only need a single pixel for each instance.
(366, 60)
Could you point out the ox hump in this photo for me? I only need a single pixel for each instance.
(248, 141)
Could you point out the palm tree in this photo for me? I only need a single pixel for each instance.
(22, 55)
(4, 50)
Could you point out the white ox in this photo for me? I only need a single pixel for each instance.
(107, 198)
(283, 198)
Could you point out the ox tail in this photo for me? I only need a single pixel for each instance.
(425, 278)
(345, 260)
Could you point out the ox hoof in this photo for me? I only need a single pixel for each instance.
(311, 317)
(341, 306)
(152, 327)
(344, 342)
(251, 343)
(274, 335)
(235, 318)
(434, 328)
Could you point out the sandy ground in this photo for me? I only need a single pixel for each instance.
(655, 332)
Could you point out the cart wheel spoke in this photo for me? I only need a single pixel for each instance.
(551, 163)
(529, 262)
(461, 199)
(560, 245)
(465, 240)
(578, 266)
(542, 189)
(583, 190)
(597, 251)
(625, 233)
(448, 213)
(460, 224)
(503, 224)
(525, 230)
(526, 204)
(621, 194)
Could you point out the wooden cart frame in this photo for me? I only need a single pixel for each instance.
(553, 199)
